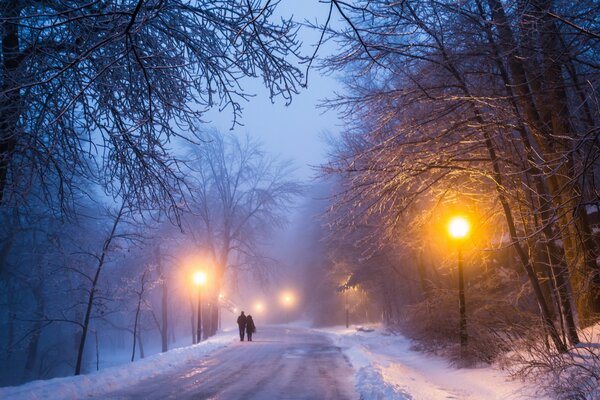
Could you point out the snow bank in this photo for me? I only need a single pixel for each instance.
(387, 368)
(115, 378)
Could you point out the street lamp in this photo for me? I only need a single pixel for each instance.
(221, 297)
(288, 301)
(347, 308)
(259, 308)
(199, 280)
(459, 228)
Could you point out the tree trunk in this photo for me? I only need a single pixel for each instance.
(219, 274)
(164, 332)
(86, 321)
(214, 316)
(526, 262)
(10, 100)
(92, 293)
(192, 320)
(172, 337)
(584, 252)
(207, 320)
(135, 325)
(542, 268)
(12, 314)
(559, 271)
(425, 284)
(32, 348)
(140, 344)
(97, 350)
(550, 139)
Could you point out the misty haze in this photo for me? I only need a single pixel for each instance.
(299, 199)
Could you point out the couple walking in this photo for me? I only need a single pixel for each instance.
(246, 324)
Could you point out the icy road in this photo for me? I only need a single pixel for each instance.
(280, 363)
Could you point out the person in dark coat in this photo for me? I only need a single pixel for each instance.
(241, 321)
(250, 327)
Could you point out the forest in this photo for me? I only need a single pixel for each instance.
(112, 185)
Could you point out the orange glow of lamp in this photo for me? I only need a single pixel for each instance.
(459, 228)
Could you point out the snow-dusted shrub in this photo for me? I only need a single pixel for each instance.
(492, 326)
(433, 321)
(571, 376)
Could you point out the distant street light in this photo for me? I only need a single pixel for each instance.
(288, 302)
(259, 308)
(199, 280)
(343, 288)
(459, 228)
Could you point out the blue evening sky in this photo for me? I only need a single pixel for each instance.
(294, 131)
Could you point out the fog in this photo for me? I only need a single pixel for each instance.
(89, 263)
(164, 167)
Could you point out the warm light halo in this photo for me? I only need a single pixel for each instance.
(459, 227)
(287, 298)
(199, 278)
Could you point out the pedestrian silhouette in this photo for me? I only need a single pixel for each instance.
(241, 321)
(250, 327)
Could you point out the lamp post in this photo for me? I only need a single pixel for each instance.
(347, 307)
(199, 280)
(221, 297)
(459, 228)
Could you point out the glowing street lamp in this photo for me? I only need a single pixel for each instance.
(287, 299)
(259, 307)
(459, 228)
(288, 302)
(199, 279)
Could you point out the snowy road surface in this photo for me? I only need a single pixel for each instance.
(280, 363)
(293, 362)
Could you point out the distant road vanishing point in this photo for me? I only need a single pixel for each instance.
(281, 363)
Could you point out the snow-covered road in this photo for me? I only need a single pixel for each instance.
(286, 362)
(281, 363)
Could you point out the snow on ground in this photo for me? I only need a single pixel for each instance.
(115, 378)
(387, 368)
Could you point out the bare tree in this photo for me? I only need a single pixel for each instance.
(116, 82)
(450, 104)
(239, 196)
(114, 234)
(144, 284)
